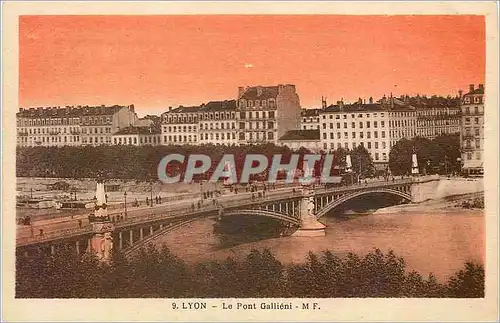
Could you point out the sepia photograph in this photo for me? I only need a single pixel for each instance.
(251, 162)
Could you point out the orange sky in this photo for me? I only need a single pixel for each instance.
(160, 61)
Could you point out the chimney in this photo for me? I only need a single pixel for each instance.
(460, 93)
(481, 87)
(370, 100)
(132, 108)
(323, 102)
(169, 108)
(471, 87)
(360, 101)
(241, 91)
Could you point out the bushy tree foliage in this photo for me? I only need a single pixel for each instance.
(157, 273)
(439, 155)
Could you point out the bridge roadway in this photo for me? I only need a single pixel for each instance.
(57, 229)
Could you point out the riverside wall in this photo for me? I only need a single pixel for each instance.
(432, 188)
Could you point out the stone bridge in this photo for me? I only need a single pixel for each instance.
(301, 209)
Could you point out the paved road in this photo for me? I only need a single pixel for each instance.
(64, 223)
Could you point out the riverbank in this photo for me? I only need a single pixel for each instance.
(448, 205)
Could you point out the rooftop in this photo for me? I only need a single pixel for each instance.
(310, 112)
(70, 111)
(260, 93)
(312, 134)
(226, 105)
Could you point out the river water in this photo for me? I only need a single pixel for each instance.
(430, 241)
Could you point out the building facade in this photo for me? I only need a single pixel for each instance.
(296, 139)
(72, 126)
(180, 126)
(218, 123)
(137, 136)
(309, 119)
(349, 126)
(472, 130)
(265, 113)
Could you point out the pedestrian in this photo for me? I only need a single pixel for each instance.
(80, 223)
(213, 201)
(293, 191)
(192, 206)
(235, 190)
(159, 198)
(199, 204)
(147, 200)
(253, 197)
(41, 233)
(156, 199)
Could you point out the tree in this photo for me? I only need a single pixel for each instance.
(400, 156)
(362, 162)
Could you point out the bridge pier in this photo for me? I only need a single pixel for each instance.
(101, 241)
(309, 225)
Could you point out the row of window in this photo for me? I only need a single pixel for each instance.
(468, 120)
(469, 134)
(353, 124)
(354, 115)
(440, 122)
(476, 110)
(353, 135)
(46, 130)
(96, 140)
(271, 103)
(47, 122)
(468, 144)
(257, 114)
(256, 125)
(43, 139)
(96, 120)
(194, 118)
(475, 99)
(133, 140)
(478, 155)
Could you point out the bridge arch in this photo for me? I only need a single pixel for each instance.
(252, 212)
(270, 214)
(347, 197)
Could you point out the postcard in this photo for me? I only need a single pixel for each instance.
(250, 161)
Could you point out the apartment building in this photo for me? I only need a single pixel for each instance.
(309, 119)
(265, 113)
(218, 123)
(472, 130)
(351, 125)
(137, 136)
(180, 126)
(71, 126)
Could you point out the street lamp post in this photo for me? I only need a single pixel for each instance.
(459, 161)
(151, 202)
(125, 196)
(201, 190)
